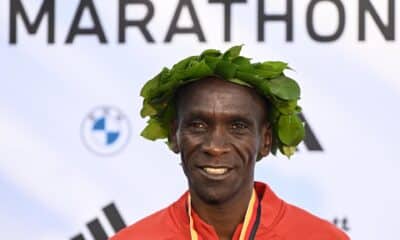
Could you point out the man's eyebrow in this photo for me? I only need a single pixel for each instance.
(228, 115)
(195, 114)
(241, 118)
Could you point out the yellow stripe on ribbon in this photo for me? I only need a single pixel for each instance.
(193, 232)
(249, 213)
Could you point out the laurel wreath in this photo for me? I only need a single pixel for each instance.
(281, 92)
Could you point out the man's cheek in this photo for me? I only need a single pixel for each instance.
(185, 168)
(246, 150)
(191, 146)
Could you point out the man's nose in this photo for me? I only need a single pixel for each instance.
(216, 143)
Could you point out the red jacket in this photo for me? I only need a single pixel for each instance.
(279, 221)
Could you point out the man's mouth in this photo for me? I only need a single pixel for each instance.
(215, 171)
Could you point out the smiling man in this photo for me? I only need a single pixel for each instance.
(222, 113)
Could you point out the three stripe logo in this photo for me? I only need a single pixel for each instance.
(97, 230)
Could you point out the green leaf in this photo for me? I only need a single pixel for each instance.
(250, 78)
(210, 53)
(284, 88)
(241, 61)
(266, 74)
(232, 52)
(147, 110)
(225, 69)
(154, 130)
(285, 107)
(240, 82)
(263, 87)
(275, 65)
(290, 129)
(246, 68)
(288, 151)
(164, 76)
(273, 114)
(183, 63)
(197, 70)
(243, 64)
(211, 62)
(168, 114)
(270, 69)
(151, 84)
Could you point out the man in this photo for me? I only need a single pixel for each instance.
(221, 125)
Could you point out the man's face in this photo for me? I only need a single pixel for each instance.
(220, 131)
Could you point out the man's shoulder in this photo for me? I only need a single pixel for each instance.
(309, 226)
(291, 222)
(162, 223)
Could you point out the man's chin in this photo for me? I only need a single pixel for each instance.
(211, 200)
(214, 197)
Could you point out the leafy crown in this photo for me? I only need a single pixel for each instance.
(282, 93)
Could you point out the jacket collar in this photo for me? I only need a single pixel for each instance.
(272, 209)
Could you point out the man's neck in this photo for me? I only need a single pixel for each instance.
(226, 216)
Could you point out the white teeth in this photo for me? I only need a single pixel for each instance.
(215, 171)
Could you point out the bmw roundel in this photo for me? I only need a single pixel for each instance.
(105, 130)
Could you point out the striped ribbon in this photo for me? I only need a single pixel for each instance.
(246, 223)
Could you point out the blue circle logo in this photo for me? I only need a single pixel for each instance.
(105, 130)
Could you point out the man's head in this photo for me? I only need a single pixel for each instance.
(220, 130)
(267, 78)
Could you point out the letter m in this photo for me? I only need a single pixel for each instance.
(16, 8)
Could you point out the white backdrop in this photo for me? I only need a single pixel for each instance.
(52, 183)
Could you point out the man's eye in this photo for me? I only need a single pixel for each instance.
(198, 125)
(239, 125)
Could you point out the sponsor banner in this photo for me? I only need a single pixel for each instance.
(73, 164)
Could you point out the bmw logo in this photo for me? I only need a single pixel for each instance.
(105, 130)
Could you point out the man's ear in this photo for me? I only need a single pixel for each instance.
(172, 139)
(266, 140)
